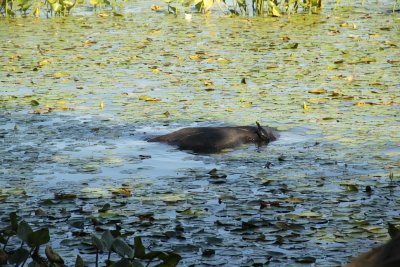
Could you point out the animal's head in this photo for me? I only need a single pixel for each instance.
(265, 134)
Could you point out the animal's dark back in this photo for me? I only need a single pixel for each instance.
(214, 139)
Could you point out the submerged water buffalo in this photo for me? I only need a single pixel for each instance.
(215, 139)
(387, 255)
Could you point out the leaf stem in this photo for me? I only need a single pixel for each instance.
(97, 257)
(30, 254)
(5, 244)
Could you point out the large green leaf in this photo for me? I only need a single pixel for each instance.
(39, 237)
(14, 221)
(56, 7)
(19, 256)
(79, 262)
(107, 239)
(169, 259)
(207, 4)
(24, 230)
(3, 240)
(154, 254)
(122, 248)
(139, 248)
(24, 4)
(95, 2)
(98, 243)
(127, 263)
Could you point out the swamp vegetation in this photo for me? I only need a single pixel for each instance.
(81, 95)
(37, 8)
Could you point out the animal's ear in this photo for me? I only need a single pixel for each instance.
(260, 132)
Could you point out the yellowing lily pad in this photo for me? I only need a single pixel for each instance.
(149, 98)
(126, 192)
(61, 74)
(317, 91)
(305, 214)
(173, 197)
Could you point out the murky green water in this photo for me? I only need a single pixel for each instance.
(93, 79)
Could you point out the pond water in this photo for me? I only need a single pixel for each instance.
(81, 95)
